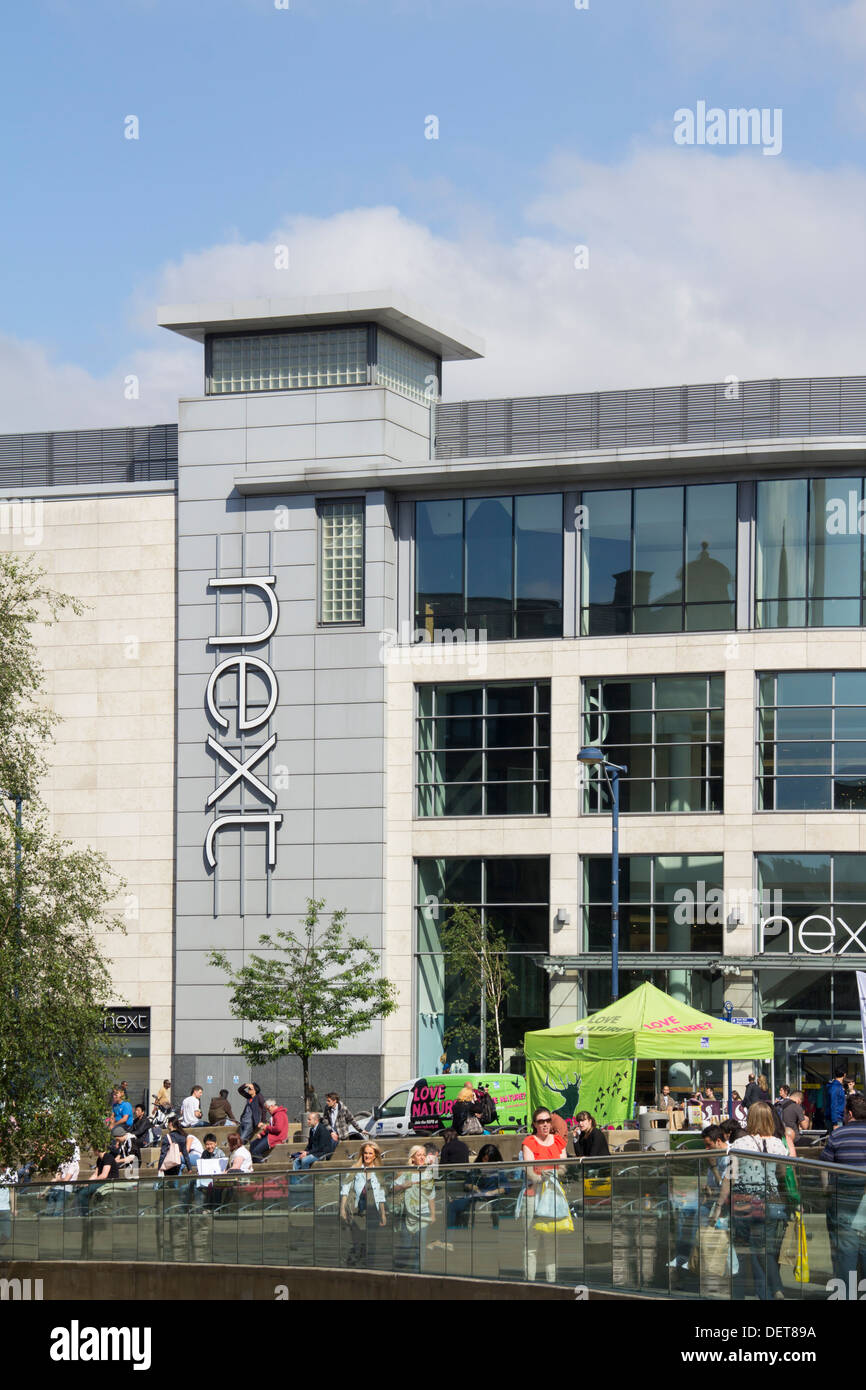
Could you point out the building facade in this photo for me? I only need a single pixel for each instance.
(397, 623)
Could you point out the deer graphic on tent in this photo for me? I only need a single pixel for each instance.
(570, 1095)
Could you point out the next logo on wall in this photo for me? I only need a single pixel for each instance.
(251, 712)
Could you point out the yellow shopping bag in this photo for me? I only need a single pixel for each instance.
(801, 1268)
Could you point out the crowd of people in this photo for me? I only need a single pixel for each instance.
(757, 1200)
(739, 1190)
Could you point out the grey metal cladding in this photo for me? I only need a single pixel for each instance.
(76, 458)
(715, 411)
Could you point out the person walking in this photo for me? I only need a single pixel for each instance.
(752, 1092)
(417, 1188)
(836, 1099)
(541, 1149)
(751, 1188)
(847, 1145)
(339, 1118)
(362, 1206)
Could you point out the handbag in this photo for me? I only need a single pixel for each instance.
(748, 1206)
(173, 1157)
(472, 1125)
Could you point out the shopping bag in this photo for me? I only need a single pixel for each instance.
(791, 1189)
(790, 1242)
(551, 1209)
(801, 1268)
(710, 1252)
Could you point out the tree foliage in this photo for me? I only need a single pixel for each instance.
(309, 994)
(477, 958)
(54, 983)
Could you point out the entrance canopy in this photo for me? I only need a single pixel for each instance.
(589, 1065)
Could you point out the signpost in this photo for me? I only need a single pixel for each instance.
(727, 1012)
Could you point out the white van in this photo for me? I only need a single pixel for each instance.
(423, 1106)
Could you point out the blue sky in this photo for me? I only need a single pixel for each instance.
(554, 128)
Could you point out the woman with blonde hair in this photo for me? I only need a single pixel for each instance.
(362, 1205)
(417, 1188)
(758, 1211)
(466, 1114)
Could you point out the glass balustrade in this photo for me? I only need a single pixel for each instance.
(680, 1225)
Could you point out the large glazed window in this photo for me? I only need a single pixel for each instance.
(484, 750)
(295, 361)
(668, 902)
(809, 553)
(812, 741)
(668, 731)
(341, 561)
(491, 565)
(811, 904)
(513, 894)
(659, 559)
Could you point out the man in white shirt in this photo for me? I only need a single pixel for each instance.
(190, 1110)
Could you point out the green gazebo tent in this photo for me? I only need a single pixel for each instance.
(591, 1064)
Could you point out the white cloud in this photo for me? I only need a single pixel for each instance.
(702, 265)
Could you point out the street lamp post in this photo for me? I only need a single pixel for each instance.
(596, 757)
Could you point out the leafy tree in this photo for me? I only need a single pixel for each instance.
(54, 982)
(477, 957)
(309, 995)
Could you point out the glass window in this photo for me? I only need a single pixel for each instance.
(406, 368)
(483, 750)
(810, 570)
(341, 561)
(490, 564)
(395, 1105)
(811, 743)
(512, 895)
(668, 902)
(667, 731)
(289, 361)
(659, 559)
(829, 889)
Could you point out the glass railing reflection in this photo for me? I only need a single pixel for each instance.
(673, 1225)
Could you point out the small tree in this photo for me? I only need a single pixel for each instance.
(310, 995)
(477, 956)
